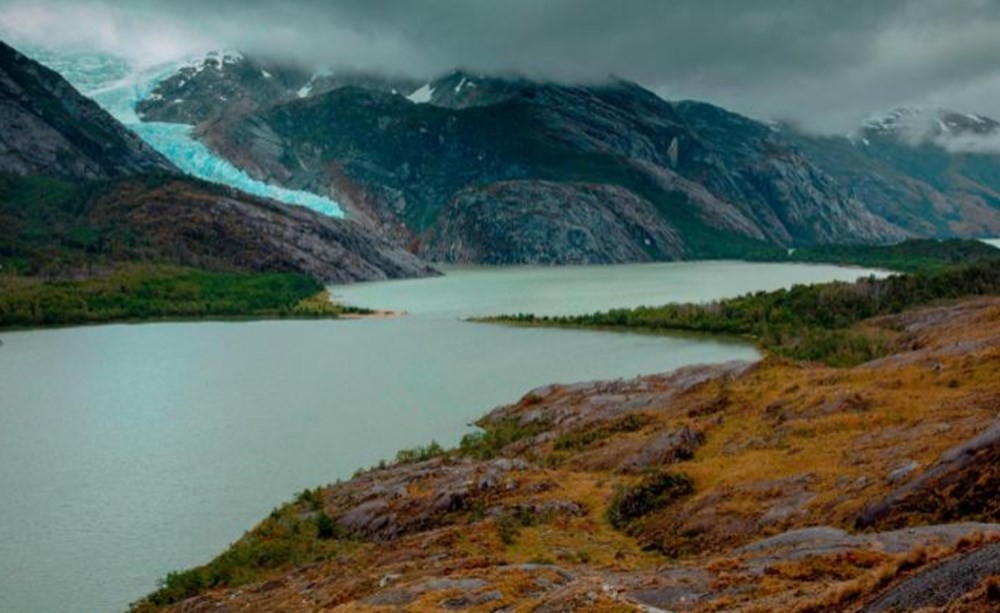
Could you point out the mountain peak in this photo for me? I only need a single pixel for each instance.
(935, 126)
(925, 121)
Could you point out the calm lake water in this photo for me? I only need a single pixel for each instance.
(127, 451)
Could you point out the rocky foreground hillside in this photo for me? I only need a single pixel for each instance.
(770, 486)
(80, 194)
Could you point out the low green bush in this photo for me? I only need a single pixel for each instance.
(489, 442)
(653, 492)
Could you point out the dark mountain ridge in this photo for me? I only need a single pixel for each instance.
(401, 163)
(503, 169)
(934, 172)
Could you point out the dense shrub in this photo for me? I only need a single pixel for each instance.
(577, 440)
(286, 538)
(489, 442)
(326, 528)
(419, 454)
(653, 492)
(914, 255)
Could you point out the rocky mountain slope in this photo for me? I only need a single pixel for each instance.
(711, 181)
(55, 229)
(47, 128)
(229, 82)
(408, 156)
(80, 192)
(934, 172)
(775, 486)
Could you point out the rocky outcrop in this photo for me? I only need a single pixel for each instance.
(942, 584)
(963, 483)
(48, 128)
(777, 186)
(541, 222)
(220, 82)
(379, 506)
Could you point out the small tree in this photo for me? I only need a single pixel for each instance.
(325, 527)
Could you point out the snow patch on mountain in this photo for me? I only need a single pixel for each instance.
(422, 95)
(916, 126)
(306, 90)
(216, 59)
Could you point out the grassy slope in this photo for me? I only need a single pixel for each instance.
(52, 228)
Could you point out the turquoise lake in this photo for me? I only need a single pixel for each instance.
(128, 451)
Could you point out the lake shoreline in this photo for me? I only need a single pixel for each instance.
(642, 484)
(211, 424)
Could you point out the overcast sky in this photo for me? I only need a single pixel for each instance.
(823, 63)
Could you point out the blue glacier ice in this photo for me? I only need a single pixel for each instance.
(117, 86)
(174, 140)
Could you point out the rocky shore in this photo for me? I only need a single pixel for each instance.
(768, 486)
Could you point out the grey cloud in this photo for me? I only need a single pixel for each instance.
(819, 63)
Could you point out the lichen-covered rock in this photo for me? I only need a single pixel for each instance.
(963, 483)
(384, 504)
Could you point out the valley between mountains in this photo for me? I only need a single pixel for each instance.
(853, 467)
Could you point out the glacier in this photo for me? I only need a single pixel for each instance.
(118, 86)
(174, 140)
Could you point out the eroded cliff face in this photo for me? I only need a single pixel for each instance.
(720, 181)
(542, 222)
(772, 486)
(48, 128)
(765, 175)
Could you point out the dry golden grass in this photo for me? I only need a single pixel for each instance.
(786, 446)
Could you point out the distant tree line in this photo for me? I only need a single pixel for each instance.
(145, 292)
(808, 322)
